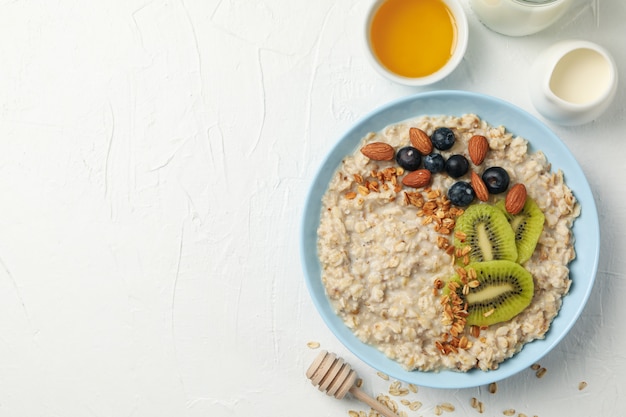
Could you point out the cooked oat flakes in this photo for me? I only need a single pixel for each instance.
(383, 246)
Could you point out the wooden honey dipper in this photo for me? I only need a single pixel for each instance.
(335, 377)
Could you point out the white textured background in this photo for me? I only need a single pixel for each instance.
(154, 159)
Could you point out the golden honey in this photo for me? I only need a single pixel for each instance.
(413, 38)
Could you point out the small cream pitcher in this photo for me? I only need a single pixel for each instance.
(573, 82)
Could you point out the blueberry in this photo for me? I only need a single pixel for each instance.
(442, 138)
(434, 162)
(461, 194)
(496, 179)
(409, 158)
(457, 166)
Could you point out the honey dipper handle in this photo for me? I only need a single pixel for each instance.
(360, 395)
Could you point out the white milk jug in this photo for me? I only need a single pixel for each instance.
(573, 82)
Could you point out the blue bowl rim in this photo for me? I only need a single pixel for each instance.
(587, 225)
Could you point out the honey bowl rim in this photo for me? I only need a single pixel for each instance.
(462, 37)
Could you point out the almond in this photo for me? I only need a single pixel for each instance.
(420, 140)
(477, 148)
(378, 151)
(417, 179)
(515, 199)
(479, 187)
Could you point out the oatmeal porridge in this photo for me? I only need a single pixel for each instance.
(388, 246)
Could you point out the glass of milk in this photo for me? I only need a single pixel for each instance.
(519, 17)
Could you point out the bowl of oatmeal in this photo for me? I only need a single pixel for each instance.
(378, 253)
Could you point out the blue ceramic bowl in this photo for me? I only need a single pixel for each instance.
(495, 112)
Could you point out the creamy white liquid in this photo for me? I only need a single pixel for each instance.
(581, 76)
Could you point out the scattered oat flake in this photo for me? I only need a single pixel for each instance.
(475, 331)
(464, 342)
(383, 376)
(400, 392)
(541, 372)
(509, 412)
(413, 405)
(363, 190)
(471, 272)
(582, 385)
(474, 402)
(359, 382)
(535, 367)
(313, 345)
(387, 402)
(353, 413)
(438, 411)
(397, 390)
(447, 407)
(493, 388)
(413, 388)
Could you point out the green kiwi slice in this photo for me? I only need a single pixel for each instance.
(485, 229)
(506, 288)
(527, 226)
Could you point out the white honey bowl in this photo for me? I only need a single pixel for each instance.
(462, 35)
(556, 106)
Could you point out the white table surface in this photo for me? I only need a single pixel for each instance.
(154, 160)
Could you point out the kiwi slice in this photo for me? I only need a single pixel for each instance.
(527, 226)
(485, 229)
(506, 288)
